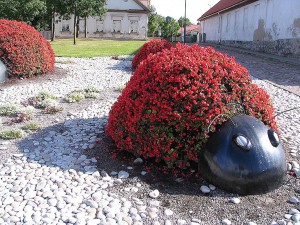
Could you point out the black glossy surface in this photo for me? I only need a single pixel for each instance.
(259, 169)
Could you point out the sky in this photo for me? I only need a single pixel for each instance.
(175, 8)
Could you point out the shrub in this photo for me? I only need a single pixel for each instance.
(24, 51)
(165, 110)
(153, 47)
(52, 109)
(10, 134)
(75, 96)
(31, 126)
(19, 118)
(8, 110)
(42, 100)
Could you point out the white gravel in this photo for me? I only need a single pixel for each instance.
(52, 183)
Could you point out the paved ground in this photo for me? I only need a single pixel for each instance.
(281, 71)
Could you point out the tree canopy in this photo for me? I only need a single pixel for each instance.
(22, 10)
(158, 22)
(181, 22)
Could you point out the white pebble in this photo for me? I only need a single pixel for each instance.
(205, 189)
(154, 194)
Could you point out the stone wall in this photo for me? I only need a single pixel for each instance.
(284, 47)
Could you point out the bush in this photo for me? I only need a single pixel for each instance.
(24, 51)
(153, 47)
(165, 110)
(10, 134)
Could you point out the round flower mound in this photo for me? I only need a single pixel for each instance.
(24, 51)
(165, 110)
(154, 46)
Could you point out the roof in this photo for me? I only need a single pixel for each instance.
(225, 5)
(142, 5)
(190, 28)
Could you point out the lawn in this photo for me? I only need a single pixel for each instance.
(94, 47)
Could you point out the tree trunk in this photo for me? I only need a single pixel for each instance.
(53, 27)
(85, 27)
(77, 30)
(75, 26)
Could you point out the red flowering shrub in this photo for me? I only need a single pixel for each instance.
(24, 51)
(153, 46)
(165, 110)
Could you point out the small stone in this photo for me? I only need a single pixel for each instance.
(154, 194)
(235, 200)
(212, 187)
(168, 222)
(143, 173)
(91, 203)
(288, 216)
(123, 175)
(154, 203)
(205, 189)
(226, 222)
(179, 180)
(295, 164)
(281, 222)
(181, 222)
(7, 201)
(168, 212)
(251, 223)
(294, 200)
(293, 211)
(296, 217)
(138, 161)
(114, 173)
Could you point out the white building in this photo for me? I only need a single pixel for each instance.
(264, 25)
(124, 19)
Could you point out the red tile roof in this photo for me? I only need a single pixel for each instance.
(224, 5)
(190, 28)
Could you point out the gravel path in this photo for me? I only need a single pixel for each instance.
(45, 177)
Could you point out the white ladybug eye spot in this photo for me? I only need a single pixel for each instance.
(273, 137)
(242, 142)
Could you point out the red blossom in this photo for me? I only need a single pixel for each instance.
(166, 108)
(153, 46)
(24, 51)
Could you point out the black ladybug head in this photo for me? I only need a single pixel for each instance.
(244, 156)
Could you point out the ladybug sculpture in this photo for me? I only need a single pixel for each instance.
(244, 156)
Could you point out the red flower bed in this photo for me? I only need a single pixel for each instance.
(153, 47)
(166, 108)
(24, 51)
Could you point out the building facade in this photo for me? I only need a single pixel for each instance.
(124, 19)
(271, 26)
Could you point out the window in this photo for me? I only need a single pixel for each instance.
(236, 20)
(220, 24)
(134, 26)
(81, 25)
(116, 26)
(65, 24)
(228, 23)
(99, 25)
(245, 20)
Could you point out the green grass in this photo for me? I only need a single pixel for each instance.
(87, 48)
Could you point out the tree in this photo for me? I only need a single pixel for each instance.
(22, 10)
(84, 8)
(170, 28)
(181, 21)
(155, 22)
(55, 8)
